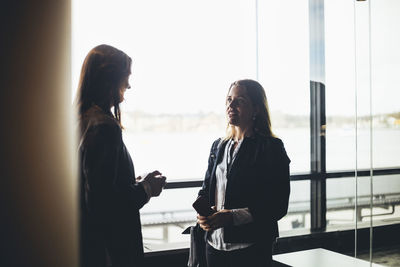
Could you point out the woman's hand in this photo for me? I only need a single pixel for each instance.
(155, 182)
(216, 220)
(202, 221)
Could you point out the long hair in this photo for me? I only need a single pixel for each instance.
(258, 98)
(102, 74)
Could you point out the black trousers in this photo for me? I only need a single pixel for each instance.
(253, 256)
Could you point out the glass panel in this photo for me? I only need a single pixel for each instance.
(385, 78)
(348, 109)
(385, 110)
(386, 199)
(284, 73)
(364, 190)
(165, 217)
(341, 200)
(161, 226)
(340, 81)
(298, 216)
(385, 84)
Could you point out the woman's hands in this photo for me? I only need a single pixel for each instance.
(216, 220)
(155, 182)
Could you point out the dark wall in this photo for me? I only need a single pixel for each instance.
(38, 196)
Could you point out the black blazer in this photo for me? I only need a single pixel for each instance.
(110, 198)
(259, 180)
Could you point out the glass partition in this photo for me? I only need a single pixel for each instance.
(385, 82)
(385, 116)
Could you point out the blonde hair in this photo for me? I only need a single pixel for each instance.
(257, 96)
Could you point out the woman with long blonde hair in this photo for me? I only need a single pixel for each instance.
(246, 183)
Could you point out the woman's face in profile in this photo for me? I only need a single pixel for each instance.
(125, 85)
(239, 109)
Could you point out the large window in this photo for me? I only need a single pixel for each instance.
(362, 110)
(185, 55)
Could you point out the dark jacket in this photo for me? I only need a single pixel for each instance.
(110, 199)
(258, 180)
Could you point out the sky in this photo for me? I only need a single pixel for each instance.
(186, 53)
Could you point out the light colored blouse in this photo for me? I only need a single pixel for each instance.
(240, 216)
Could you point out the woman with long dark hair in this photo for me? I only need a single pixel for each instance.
(247, 183)
(110, 195)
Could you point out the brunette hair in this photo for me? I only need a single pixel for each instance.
(258, 98)
(103, 71)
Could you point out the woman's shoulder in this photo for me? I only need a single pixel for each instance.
(270, 144)
(217, 144)
(217, 141)
(270, 140)
(274, 145)
(95, 122)
(96, 117)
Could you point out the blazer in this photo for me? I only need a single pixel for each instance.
(110, 198)
(259, 180)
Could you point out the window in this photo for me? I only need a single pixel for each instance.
(342, 200)
(185, 56)
(372, 110)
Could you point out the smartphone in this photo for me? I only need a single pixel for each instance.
(202, 206)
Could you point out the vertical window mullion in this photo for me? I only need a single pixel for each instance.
(317, 116)
(318, 157)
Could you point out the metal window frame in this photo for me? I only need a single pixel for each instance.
(317, 115)
(318, 156)
(186, 183)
